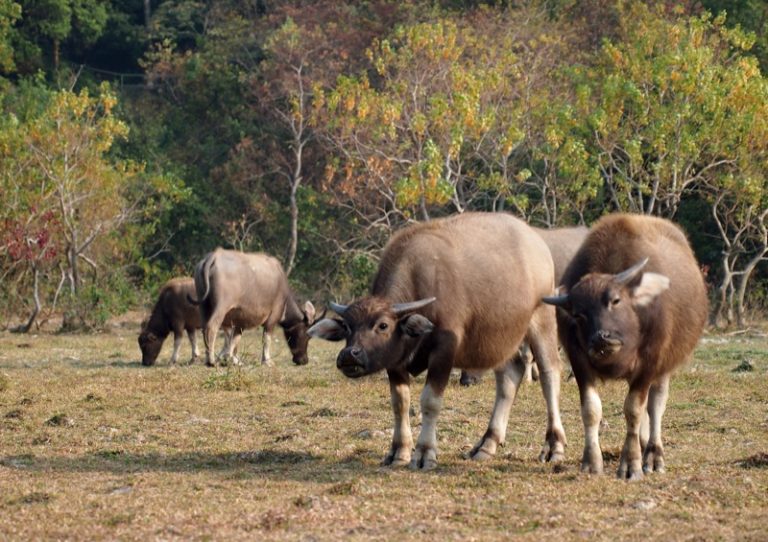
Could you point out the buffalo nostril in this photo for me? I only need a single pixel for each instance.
(356, 352)
(604, 334)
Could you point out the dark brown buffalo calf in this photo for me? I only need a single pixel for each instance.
(632, 306)
(463, 292)
(172, 312)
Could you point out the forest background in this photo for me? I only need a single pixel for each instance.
(137, 135)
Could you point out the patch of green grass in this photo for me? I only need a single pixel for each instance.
(230, 380)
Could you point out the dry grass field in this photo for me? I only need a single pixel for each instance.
(93, 446)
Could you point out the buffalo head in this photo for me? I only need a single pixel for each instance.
(296, 334)
(150, 345)
(379, 334)
(603, 311)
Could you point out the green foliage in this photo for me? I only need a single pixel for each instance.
(675, 104)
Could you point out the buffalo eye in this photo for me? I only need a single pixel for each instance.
(383, 326)
(615, 301)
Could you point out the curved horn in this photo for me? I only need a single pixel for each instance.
(401, 308)
(628, 274)
(338, 309)
(556, 300)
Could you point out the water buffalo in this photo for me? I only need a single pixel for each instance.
(172, 312)
(464, 292)
(563, 244)
(241, 291)
(632, 306)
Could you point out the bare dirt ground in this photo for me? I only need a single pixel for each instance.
(94, 446)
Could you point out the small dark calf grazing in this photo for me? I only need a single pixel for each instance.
(172, 313)
(632, 306)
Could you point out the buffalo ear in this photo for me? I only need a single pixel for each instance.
(329, 329)
(650, 286)
(415, 325)
(309, 311)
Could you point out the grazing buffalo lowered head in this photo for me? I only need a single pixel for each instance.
(632, 306)
(463, 291)
(172, 313)
(245, 290)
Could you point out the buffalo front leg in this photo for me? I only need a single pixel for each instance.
(229, 352)
(630, 462)
(653, 454)
(508, 379)
(438, 374)
(402, 440)
(192, 336)
(591, 415)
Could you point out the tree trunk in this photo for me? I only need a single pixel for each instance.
(36, 296)
(294, 242)
(147, 12)
(741, 289)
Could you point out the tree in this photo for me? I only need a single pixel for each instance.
(664, 118)
(69, 201)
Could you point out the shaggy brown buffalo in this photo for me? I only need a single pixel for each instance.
(563, 244)
(463, 292)
(632, 306)
(241, 291)
(172, 312)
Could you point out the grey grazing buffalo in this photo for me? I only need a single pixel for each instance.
(563, 244)
(172, 312)
(632, 306)
(241, 291)
(463, 292)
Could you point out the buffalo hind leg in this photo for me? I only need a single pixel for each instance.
(209, 336)
(402, 440)
(508, 379)
(438, 373)
(631, 460)
(653, 455)
(266, 341)
(542, 338)
(177, 339)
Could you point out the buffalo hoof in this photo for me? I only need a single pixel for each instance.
(398, 456)
(629, 470)
(468, 379)
(484, 450)
(553, 450)
(653, 460)
(592, 461)
(424, 459)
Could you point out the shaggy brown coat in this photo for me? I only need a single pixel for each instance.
(634, 305)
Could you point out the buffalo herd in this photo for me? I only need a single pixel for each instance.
(477, 292)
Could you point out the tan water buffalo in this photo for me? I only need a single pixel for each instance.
(463, 292)
(563, 244)
(244, 290)
(632, 306)
(172, 313)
